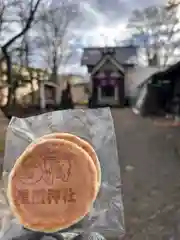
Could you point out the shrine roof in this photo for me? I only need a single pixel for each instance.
(124, 55)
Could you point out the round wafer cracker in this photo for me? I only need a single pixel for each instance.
(50, 187)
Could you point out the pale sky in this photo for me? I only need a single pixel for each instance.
(104, 24)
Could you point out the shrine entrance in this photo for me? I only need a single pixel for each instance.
(108, 88)
(107, 91)
(108, 83)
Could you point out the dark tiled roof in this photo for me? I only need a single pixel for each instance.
(123, 55)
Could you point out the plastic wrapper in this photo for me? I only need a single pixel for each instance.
(95, 126)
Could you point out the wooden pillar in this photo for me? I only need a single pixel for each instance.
(99, 94)
(42, 95)
(121, 92)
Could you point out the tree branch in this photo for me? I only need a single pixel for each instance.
(27, 25)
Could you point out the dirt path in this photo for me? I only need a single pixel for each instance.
(151, 186)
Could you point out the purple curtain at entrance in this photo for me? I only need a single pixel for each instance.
(106, 81)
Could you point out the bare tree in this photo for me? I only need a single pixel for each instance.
(24, 53)
(172, 4)
(155, 28)
(54, 30)
(30, 7)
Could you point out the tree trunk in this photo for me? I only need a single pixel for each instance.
(14, 97)
(33, 94)
(55, 68)
(27, 51)
(9, 77)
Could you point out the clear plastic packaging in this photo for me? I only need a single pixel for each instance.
(96, 126)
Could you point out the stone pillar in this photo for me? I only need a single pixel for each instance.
(116, 93)
(58, 94)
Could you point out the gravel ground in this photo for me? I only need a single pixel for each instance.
(150, 170)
